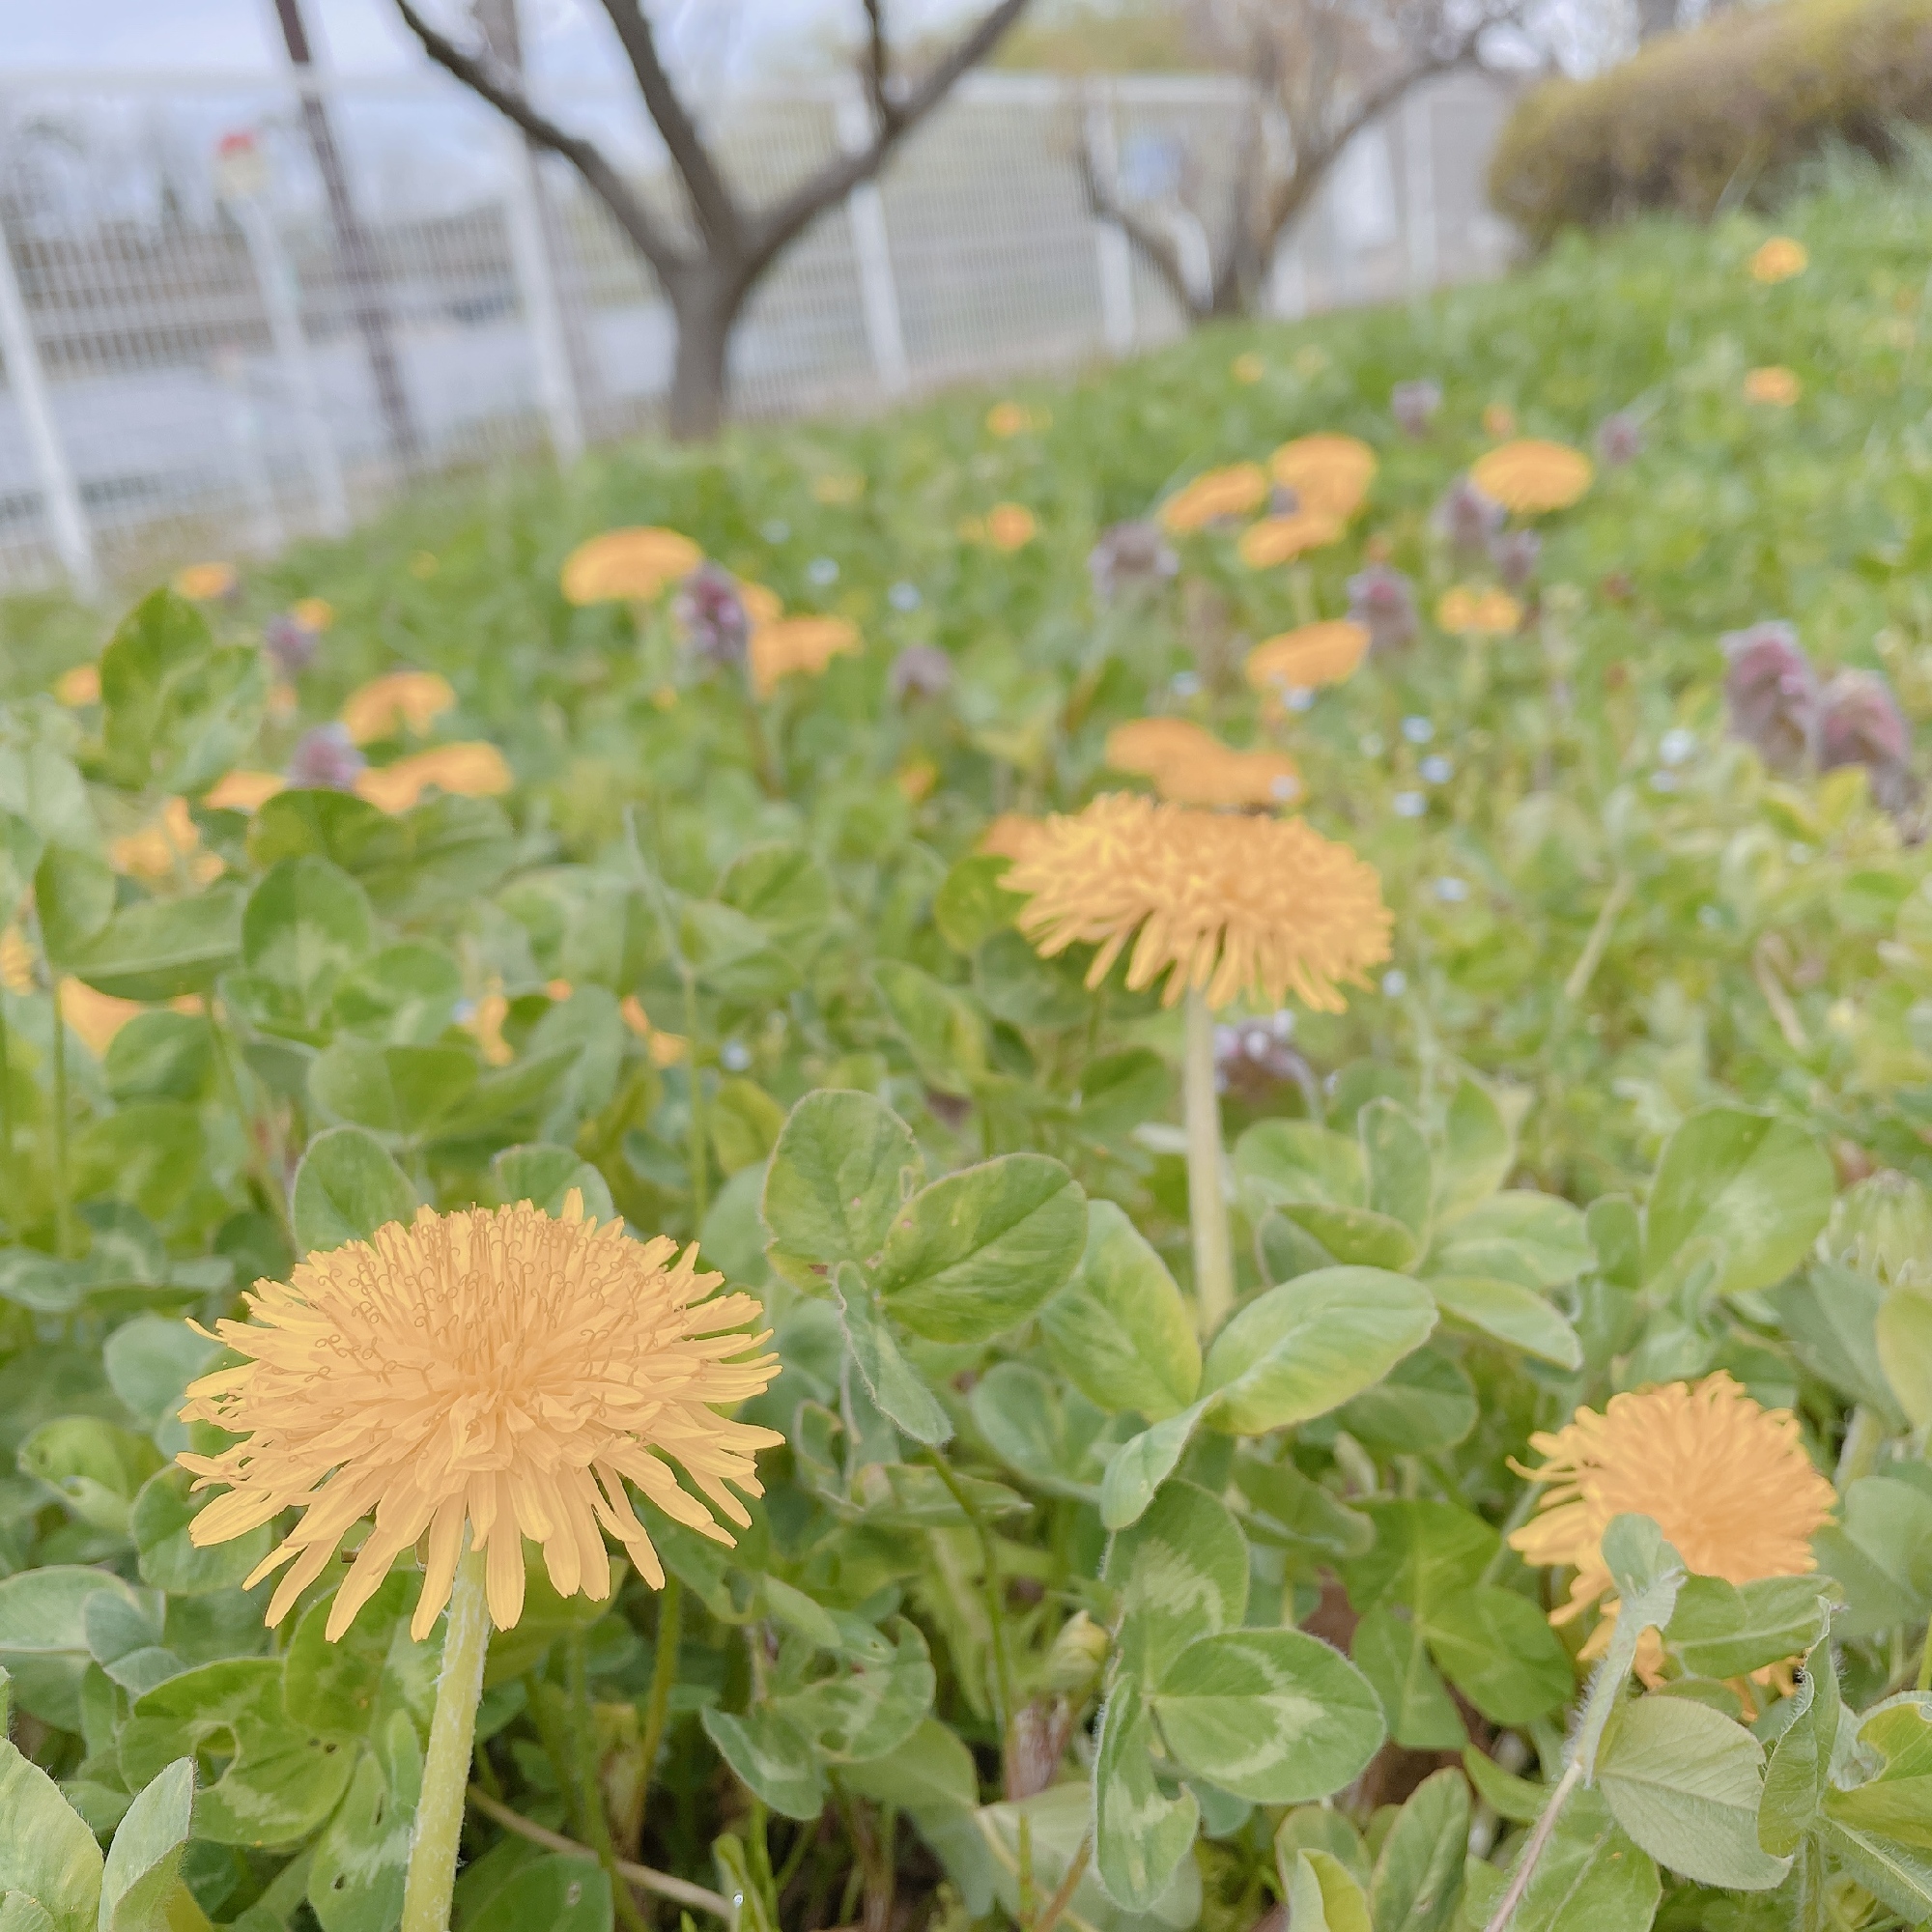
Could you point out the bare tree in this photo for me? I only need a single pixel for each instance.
(1322, 71)
(708, 266)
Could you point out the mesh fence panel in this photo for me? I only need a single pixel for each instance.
(173, 405)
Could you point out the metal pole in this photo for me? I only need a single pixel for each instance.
(1110, 243)
(60, 496)
(866, 212)
(280, 300)
(1418, 175)
(529, 259)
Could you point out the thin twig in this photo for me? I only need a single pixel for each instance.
(1063, 1895)
(1525, 1866)
(679, 1890)
(1599, 941)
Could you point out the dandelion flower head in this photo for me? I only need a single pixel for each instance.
(96, 1017)
(500, 1370)
(1190, 766)
(468, 771)
(16, 960)
(1311, 656)
(244, 791)
(382, 707)
(165, 846)
(1230, 491)
(204, 582)
(1774, 386)
(1247, 367)
(1011, 525)
(1281, 539)
(1220, 904)
(788, 644)
(1778, 260)
(1008, 419)
(1464, 612)
(1329, 473)
(1531, 477)
(632, 564)
(1010, 835)
(78, 686)
(1726, 1481)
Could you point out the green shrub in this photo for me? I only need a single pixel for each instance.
(1705, 118)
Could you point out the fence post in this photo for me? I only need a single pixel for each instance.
(60, 497)
(275, 278)
(1110, 243)
(543, 312)
(1418, 175)
(866, 212)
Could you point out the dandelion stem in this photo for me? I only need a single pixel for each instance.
(1525, 1865)
(995, 1590)
(452, 1735)
(63, 1179)
(664, 1672)
(589, 1790)
(1206, 1196)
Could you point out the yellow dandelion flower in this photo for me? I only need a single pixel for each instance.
(1329, 473)
(17, 961)
(1464, 612)
(500, 1370)
(1010, 835)
(203, 582)
(157, 849)
(1146, 746)
(1530, 476)
(244, 792)
(1775, 384)
(916, 779)
(1309, 657)
(790, 644)
(468, 771)
(384, 705)
(79, 685)
(837, 489)
(1281, 539)
(665, 1049)
(94, 1018)
(1230, 491)
(1499, 421)
(313, 613)
(284, 702)
(630, 565)
(1221, 776)
(1008, 419)
(1727, 1482)
(1778, 260)
(485, 1025)
(558, 989)
(1221, 905)
(762, 606)
(1248, 368)
(1011, 526)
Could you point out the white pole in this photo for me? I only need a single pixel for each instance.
(245, 439)
(871, 248)
(556, 386)
(60, 496)
(275, 278)
(1110, 243)
(1418, 173)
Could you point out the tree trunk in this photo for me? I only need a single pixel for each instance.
(705, 314)
(1653, 17)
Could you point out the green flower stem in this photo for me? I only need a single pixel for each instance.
(1206, 1194)
(268, 1184)
(452, 1736)
(6, 1090)
(63, 1177)
(1525, 1865)
(589, 1791)
(994, 1589)
(664, 1672)
(700, 1154)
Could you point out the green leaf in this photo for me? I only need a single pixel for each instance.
(976, 1253)
(21, 1914)
(348, 1690)
(1684, 1782)
(43, 1640)
(1293, 1511)
(281, 1780)
(1898, 1878)
(772, 1757)
(1508, 1797)
(971, 904)
(1395, 1155)
(1418, 1881)
(1424, 1403)
(893, 1381)
(143, 1868)
(74, 895)
(1142, 1463)
(546, 1176)
(1354, 1236)
(1537, 1240)
(1140, 1836)
(1274, 1716)
(176, 710)
(1616, 1235)
(307, 924)
(1648, 1574)
(1509, 1312)
(744, 1123)
(1392, 1652)
(150, 1361)
(46, 1851)
(1498, 1650)
(842, 1168)
(784, 888)
(41, 785)
(148, 1154)
(863, 1712)
(1323, 1897)
(1303, 1349)
(1590, 1876)
(346, 1187)
(169, 1559)
(1800, 1772)
(95, 1467)
(1895, 1803)
(1882, 1552)
(1181, 1572)
(1903, 1333)
(560, 1891)
(1760, 1186)
(1027, 1424)
(941, 1029)
(1120, 1330)
(1282, 1162)
(361, 1860)
(1478, 1150)
(161, 948)
(1722, 1630)
(406, 1090)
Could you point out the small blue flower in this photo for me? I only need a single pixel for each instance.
(1452, 890)
(735, 1056)
(1185, 684)
(1438, 769)
(1409, 804)
(1395, 982)
(822, 570)
(1371, 744)
(777, 530)
(1299, 699)
(1710, 917)
(903, 597)
(1677, 745)
(1417, 731)
(1663, 781)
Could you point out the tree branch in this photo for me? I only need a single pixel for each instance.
(485, 77)
(783, 222)
(1159, 250)
(720, 220)
(876, 72)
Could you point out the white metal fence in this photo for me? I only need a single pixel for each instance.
(206, 347)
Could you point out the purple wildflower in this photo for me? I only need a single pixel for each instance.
(1619, 439)
(1414, 405)
(326, 759)
(1468, 516)
(1382, 598)
(1859, 724)
(1515, 554)
(290, 644)
(1771, 692)
(713, 616)
(1128, 556)
(920, 671)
